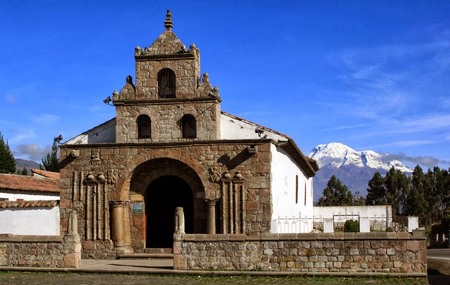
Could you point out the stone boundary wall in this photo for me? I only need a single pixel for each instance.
(98, 249)
(398, 253)
(40, 251)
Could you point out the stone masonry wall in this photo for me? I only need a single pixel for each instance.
(166, 121)
(39, 251)
(384, 252)
(115, 165)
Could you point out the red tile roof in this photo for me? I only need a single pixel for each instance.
(28, 183)
(44, 173)
(28, 204)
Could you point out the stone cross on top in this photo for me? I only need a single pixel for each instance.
(168, 22)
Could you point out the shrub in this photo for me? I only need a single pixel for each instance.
(351, 226)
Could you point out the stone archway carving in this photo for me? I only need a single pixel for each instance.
(144, 175)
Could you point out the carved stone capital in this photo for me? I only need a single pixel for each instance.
(211, 202)
(117, 204)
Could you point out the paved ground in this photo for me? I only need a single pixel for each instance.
(442, 253)
(53, 278)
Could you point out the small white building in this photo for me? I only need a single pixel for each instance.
(379, 217)
(292, 189)
(29, 205)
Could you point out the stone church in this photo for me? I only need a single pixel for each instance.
(169, 147)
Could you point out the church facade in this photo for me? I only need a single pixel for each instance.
(169, 147)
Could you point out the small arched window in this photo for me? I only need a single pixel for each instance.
(144, 125)
(166, 83)
(189, 126)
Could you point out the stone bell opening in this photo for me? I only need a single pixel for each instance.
(163, 195)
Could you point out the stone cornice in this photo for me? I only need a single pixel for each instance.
(178, 56)
(164, 101)
(172, 144)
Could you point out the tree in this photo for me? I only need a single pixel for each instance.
(397, 188)
(358, 199)
(7, 161)
(415, 203)
(51, 161)
(336, 194)
(436, 194)
(376, 193)
(24, 171)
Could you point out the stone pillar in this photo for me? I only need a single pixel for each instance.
(120, 219)
(413, 223)
(179, 220)
(364, 225)
(328, 226)
(72, 243)
(211, 225)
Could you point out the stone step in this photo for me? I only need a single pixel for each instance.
(149, 253)
(158, 250)
(145, 256)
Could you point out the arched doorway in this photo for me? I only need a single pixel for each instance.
(163, 195)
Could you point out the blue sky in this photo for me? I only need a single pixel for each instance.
(370, 74)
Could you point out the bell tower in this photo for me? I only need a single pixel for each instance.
(170, 101)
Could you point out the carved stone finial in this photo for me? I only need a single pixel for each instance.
(101, 178)
(89, 179)
(115, 97)
(238, 176)
(168, 22)
(205, 78)
(129, 79)
(226, 177)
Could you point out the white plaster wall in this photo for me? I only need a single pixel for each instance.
(289, 215)
(237, 128)
(28, 197)
(104, 133)
(30, 221)
(380, 216)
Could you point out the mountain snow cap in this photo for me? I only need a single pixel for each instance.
(337, 155)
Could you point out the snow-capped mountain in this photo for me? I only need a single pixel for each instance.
(338, 155)
(354, 168)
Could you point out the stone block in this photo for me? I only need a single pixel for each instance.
(413, 245)
(403, 235)
(72, 260)
(180, 262)
(391, 251)
(419, 233)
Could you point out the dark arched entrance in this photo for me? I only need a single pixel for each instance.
(163, 195)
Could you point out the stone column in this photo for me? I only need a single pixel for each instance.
(211, 225)
(120, 219)
(239, 203)
(179, 220)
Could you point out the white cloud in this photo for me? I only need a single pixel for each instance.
(45, 119)
(31, 152)
(346, 127)
(422, 124)
(10, 98)
(22, 135)
(424, 161)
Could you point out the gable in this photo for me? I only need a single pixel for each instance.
(103, 133)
